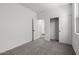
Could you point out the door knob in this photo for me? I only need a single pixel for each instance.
(59, 31)
(33, 30)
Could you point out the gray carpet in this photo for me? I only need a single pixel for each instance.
(42, 47)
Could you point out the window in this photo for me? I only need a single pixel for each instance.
(77, 18)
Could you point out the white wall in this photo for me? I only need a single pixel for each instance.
(15, 25)
(64, 14)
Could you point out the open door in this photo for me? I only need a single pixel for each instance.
(32, 30)
(54, 28)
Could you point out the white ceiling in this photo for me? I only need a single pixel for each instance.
(40, 7)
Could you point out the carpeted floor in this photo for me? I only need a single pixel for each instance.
(42, 47)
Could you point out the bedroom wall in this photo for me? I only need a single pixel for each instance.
(15, 25)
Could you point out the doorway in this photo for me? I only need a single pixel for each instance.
(41, 30)
(54, 28)
(32, 30)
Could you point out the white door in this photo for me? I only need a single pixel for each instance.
(52, 29)
(65, 29)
